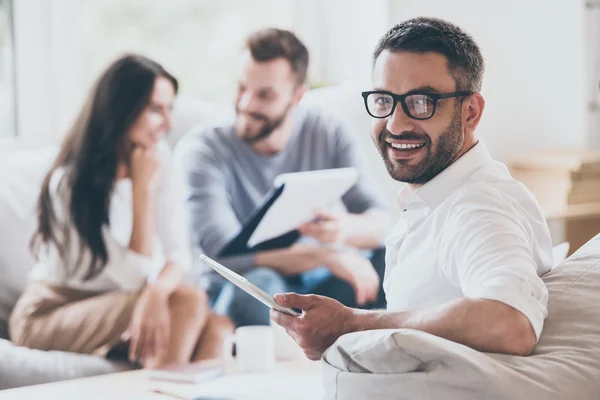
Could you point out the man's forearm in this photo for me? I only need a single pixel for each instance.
(484, 325)
(293, 260)
(367, 230)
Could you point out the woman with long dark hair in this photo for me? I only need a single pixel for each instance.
(112, 241)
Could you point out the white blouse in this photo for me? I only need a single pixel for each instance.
(125, 269)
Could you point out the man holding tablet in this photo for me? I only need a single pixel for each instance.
(465, 259)
(229, 169)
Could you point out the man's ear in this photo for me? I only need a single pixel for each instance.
(472, 111)
(299, 92)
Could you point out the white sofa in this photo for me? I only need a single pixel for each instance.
(21, 174)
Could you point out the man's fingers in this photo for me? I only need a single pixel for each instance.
(325, 215)
(371, 296)
(305, 228)
(360, 297)
(283, 320)
(313, 355)
(310, 229)
(294, 300)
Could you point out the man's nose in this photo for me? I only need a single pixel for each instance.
(399, 122)
(247, 102)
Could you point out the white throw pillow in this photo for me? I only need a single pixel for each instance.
(20, 183)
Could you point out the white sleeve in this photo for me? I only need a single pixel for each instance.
(489, 254)
(172, 222)
(125, 267)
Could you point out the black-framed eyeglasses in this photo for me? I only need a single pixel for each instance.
(417, 105)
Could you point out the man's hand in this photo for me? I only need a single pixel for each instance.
(323, 321)
(150, 327)
(330, 226)
(358, 272)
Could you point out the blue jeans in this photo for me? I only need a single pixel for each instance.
(244, 309)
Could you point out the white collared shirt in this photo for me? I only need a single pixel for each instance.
(471, 231)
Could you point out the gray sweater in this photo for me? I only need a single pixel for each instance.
(226, 179)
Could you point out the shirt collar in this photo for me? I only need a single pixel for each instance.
(434, 192)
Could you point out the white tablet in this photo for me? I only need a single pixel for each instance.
(247, 286)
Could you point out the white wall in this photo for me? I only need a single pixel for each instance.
(534, 51)
(534, 79)
(592, 52)
(48, 87)
(341, 35)
(35, 108)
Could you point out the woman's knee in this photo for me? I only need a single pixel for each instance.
(219, 325)
(190, 298)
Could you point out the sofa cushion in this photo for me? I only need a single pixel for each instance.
(21, 366)
(19, 188)
(189, 112)
(404, 364)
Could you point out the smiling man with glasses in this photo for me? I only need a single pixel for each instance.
(465, 259)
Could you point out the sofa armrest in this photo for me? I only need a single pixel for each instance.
(21, 366)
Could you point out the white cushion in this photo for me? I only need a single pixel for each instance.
(20, 184)
(408, 364)
(190, 112)
(21, 366)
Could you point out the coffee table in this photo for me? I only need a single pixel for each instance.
(300, 379)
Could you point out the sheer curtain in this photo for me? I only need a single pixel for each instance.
(7, 83)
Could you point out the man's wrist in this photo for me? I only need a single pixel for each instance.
(359, 320)
(351, 228)
(322, 255)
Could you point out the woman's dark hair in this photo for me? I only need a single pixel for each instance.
(90, 155)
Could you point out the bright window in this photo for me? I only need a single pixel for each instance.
(7, 77)
(196, 40)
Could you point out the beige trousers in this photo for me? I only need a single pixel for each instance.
(48, 317)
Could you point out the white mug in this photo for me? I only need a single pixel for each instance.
(254, 348)
(286, 348)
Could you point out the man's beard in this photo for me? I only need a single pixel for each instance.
(444, 152)
(269, 125)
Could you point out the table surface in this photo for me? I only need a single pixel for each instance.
(299, 379)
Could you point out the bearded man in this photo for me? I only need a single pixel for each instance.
(465, 259)
(229, 169)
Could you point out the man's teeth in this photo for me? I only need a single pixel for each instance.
(406, 146)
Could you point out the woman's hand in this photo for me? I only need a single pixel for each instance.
(144, 165)
(150, 326)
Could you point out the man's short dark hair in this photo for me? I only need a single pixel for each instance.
(423, 35)
(271, 43)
